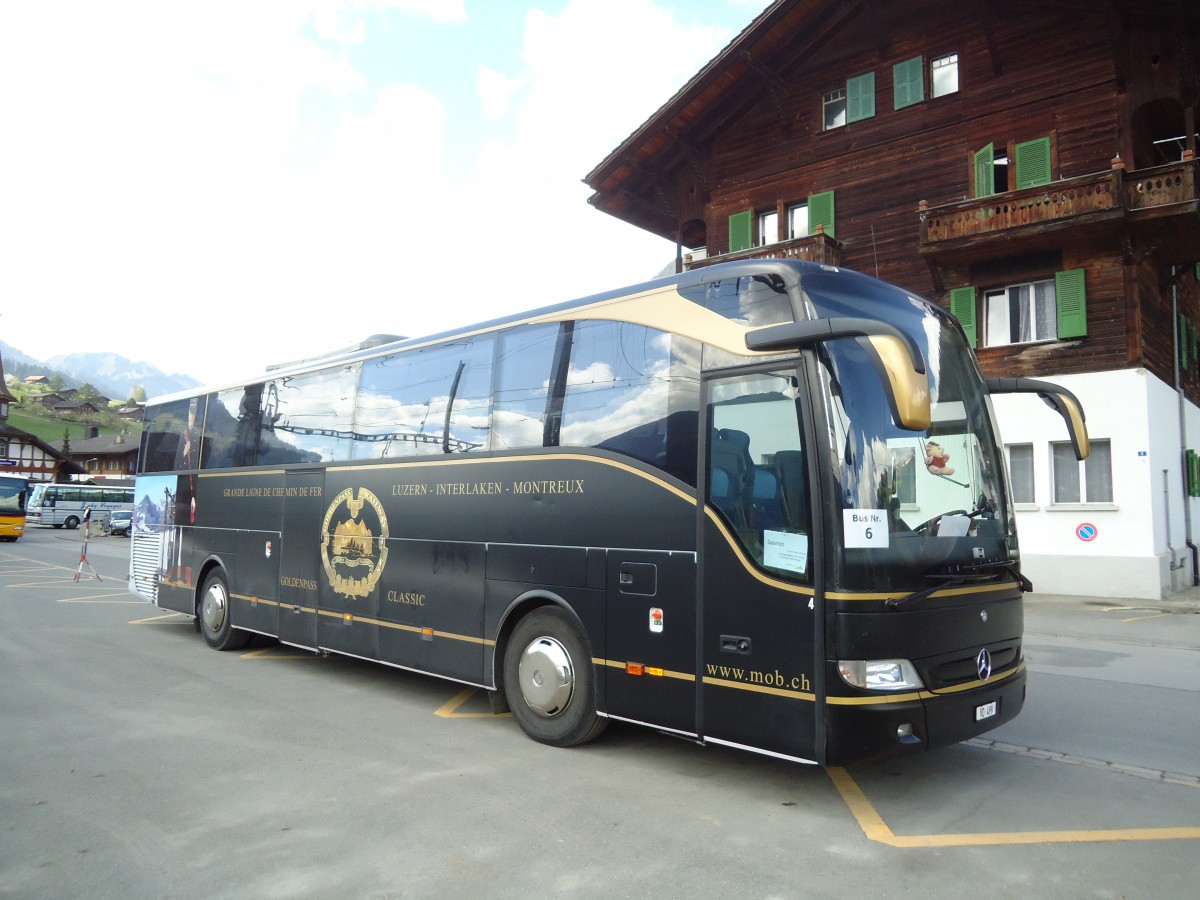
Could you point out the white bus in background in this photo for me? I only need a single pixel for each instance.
(64, 504)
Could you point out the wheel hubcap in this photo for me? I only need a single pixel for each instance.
(212, 610)
(546, 675)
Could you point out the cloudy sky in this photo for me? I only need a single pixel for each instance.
(213, 186)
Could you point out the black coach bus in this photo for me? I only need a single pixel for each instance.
(760, 504)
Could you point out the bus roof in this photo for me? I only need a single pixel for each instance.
(790, 270)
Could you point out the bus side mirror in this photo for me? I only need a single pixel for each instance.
(1057, 398)
(895, 354)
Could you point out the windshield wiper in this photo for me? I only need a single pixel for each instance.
(967, 573)
(926, 593)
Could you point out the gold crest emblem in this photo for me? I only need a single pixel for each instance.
(354, 542)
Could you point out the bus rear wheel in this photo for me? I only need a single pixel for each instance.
(213, 615)
(549, 680)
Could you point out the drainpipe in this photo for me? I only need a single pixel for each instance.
(1181, 399)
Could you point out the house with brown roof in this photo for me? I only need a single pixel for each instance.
(1029, 165)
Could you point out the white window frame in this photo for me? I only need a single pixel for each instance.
(997, 314)
(797, 214)
(946, 64)
(768, 228)
(833, 109)
(1027, 473)
(1087, 486)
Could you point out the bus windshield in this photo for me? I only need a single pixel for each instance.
(931, 503)
(12, 495)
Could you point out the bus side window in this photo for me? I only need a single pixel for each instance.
(618, 391)
(524, 367)
(222, 426)
(162, 437)
(793, 483)
(427, 401)
(307, 418)
(757, 479)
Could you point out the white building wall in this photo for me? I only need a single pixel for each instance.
(1139, 549)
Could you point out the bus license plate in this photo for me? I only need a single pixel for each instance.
(986, 711)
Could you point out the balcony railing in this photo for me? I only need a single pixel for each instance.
(1161, 186)
(1072, 201)
(818, 247)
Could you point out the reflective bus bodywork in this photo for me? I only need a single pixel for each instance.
(760, 504)
(14, 493)
(65, 504)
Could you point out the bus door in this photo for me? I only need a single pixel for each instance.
(353, 555)
(757, 653)
(300, 556)
(651, 628)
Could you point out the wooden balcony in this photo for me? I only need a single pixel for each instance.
(1027, 219)
(818, 247)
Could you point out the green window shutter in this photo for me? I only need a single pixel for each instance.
(1071, 297)
(985, 171)
(739, 231)
(1033, 163)
(908, 80)
(962, 307)
(860, 97)
(1183, 342)
(820, 212)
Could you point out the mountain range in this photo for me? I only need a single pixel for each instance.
(110, 373)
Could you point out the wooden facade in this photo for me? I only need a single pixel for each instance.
(1068, 147)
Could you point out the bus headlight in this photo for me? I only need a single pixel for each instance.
(880, 674)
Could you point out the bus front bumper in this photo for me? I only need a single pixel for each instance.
(858, 731)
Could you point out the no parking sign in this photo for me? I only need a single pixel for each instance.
(1085, 531)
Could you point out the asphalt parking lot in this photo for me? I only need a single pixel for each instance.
(139, 763)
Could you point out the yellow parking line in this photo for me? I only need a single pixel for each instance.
(154, 619)
(449, 710)
(277, 653)
(876, 829)
(100, 599)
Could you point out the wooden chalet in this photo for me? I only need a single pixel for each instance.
(25, 454)
(1029, 165)
(107, 456)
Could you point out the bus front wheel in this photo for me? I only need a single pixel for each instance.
(213, 614)
(549, 680)
(71, 522)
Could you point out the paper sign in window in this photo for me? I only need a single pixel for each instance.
(783, 550)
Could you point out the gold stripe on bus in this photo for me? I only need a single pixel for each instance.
(947, 592)
(396, 626)
(747, 564)
(574, 457)
(972, 685)
(876, 701)
(750, 567)
(759, 688)
(250, 599)
(238, 473)
(653, 671)
(923, 695)
(665, 309)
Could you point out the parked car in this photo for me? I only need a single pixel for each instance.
(120, 522)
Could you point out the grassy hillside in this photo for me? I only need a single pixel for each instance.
(50, 427)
